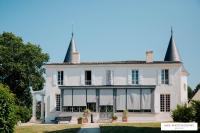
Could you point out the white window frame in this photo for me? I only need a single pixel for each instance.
(165, 76)
(165, 101)
(58, 103)
(135, 76)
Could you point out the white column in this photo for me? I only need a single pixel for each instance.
(42, 108)
(33, 118)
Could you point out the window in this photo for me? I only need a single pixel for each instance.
(57, 102)
(135, 77)
(88, 77)
(109, 77)
(165, 76)
(165, 103)
(60, 77)
(79, 108)
(67, 108)
(91, 107)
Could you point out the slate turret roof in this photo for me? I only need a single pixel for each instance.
(71, 49)
(172, 53)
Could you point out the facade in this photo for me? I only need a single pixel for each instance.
(148, 86)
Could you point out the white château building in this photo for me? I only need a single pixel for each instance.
(141, 87)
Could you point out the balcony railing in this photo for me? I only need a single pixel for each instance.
(88, 82)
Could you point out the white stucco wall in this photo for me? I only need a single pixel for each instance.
(149, 74)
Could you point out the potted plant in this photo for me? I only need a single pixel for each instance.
(85, 115)
(114, 117)
(80, 120)
(125, 116)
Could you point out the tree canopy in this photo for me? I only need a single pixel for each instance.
(21, 65)
(190, 92)
(7, 110)
(197, 88)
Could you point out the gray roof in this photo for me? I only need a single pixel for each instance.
(71, 49)
(117, 62)
(172, 53)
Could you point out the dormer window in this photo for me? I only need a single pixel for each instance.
(165, 76)
(88, 77)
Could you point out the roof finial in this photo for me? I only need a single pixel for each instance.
(72, 30)
(172, 31)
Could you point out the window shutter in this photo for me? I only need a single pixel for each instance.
(129, 78)
(112, 77)
(170, 77)
(140, 77)
(82, 78)
(65, 78)
(93, 77)
(54, 77)
(159, 77)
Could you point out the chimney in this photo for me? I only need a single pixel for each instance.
(149, 56)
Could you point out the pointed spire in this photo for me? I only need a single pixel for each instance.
(71, 49)
(172, 53)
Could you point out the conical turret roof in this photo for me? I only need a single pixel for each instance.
(71, 49)
(172, 53)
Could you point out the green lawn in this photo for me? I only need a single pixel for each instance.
(60, 128)
(132, 128)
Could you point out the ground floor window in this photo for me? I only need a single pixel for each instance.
(79, 108)
(164, 102)
(57, 102)
(106, 108)
(67, 108)
(109, 100)
(91, 107)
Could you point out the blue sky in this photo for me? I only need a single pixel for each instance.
(108, 29)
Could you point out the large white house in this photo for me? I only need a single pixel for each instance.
(141, 87)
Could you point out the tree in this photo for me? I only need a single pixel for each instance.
(7, 110)
(190, 92)
(196, 107)
(197, 88)
(21, 64)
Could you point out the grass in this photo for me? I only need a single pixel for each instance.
(132, 128)
(60, 128)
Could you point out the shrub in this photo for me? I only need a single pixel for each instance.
(7, 110)
(114, 117)
(23, 113)
(183, 114)
(196, 107)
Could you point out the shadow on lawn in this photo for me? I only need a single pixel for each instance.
(132, 129)
(71, 130)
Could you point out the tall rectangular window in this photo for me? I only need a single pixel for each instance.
(165, 103)
(165, 76)
(135, 77)
(60, 77)
(88, 77)
(57, 102)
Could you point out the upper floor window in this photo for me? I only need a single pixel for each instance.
(108, 77)
(60, 77)
(165, 76)
(135, 77)
(88, 77)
